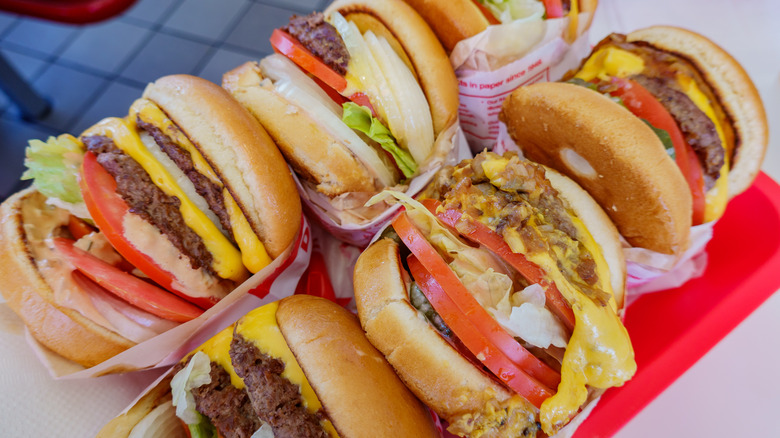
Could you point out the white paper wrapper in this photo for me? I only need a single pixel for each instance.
(491, 64)
(349, 225)
(275, 281)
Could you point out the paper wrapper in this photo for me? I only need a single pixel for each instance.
(346, 219)
(493, 63)
(275, 281)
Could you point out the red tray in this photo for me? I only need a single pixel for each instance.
(67, 11)
(671, 330)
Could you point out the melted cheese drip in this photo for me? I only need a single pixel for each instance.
(717, 197)
(611, 61)
(253, 253)
(599, 353)
(227, 259)
(218, 350)
(260, 326)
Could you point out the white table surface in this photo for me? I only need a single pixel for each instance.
(732, 391)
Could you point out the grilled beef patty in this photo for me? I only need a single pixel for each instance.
(276, 400)
(321, 39)
(147, 200)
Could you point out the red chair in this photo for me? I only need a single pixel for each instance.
(31, 105)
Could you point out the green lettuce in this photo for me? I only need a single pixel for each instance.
(54, 165)
(195, 374)
(359, 118)
(665, 138)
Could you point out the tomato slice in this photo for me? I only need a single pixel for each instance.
(486, 12)
(644, 105)
(486, 352)
(478, 232)
(78, 228)
(132, 289)
(468, 305)
(290, 47)
(553, 8)
(108, 209)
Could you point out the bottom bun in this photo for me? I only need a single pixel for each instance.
(61, 329)
(360, 391)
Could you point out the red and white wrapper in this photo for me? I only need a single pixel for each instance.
(356, 225)
(274, 282)
(493, 63)
(646, 270)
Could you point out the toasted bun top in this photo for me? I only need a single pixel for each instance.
(600, 227)
(61, 329)
(456, 20)
(239, 150)
(735, 92)
(611, 154)
(426, 54)
(360, 391)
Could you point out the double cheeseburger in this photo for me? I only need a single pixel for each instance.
(356, 97)
(144, 221)
(497, 298)
(300, 367)
(698, 101)
(456, 20)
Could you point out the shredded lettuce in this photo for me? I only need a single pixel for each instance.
(506, 11)
(359, 117)
(54, 165)
(195, 374)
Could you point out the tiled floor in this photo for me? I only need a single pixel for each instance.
(95, 71)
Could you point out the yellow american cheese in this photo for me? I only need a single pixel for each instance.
(261, 328)
(218, 350)
(253, 252)
(227, 259)
(611, 61)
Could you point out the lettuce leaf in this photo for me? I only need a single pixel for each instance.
(54, 165)
(195, 374)
(359, 118)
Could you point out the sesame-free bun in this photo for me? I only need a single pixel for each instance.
(61, 329)
(240, 151)
(359, 390)
(456, 20)
(611, 153)
(734, 90)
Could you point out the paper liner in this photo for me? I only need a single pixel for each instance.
(272, 283)
(320, 209)
(493, 63)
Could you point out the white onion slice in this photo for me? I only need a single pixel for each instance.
(161, 421)
(294, 88)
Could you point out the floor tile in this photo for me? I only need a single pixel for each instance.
(115, 41)
(113, 102)
(27, 66)
(254, 29)
(69, 91)
(165, 54)
(41, 36)
(300, 6)
(205, 18)
(151, 11)
(6, 20)
(223, 61)
(12, 144)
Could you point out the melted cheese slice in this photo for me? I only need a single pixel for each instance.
(253, 253)
(599, 353)
(260, 326)
(218, 350)
(611, 61)
(226, 258)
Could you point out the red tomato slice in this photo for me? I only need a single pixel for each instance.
(482, 234)
(132, 289)
(108, 209)
(288, 46)
(487, 353)
(468, 305)
(78, 228)
(553, 8)
(644, 105)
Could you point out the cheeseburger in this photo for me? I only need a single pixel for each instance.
(144, 221)
(357, 97)
(300, 367)
(497, 298)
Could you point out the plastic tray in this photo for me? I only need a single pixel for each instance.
(673, 329)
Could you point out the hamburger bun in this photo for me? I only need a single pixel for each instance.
(734, 90)
(461, 391)
(585, 136)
